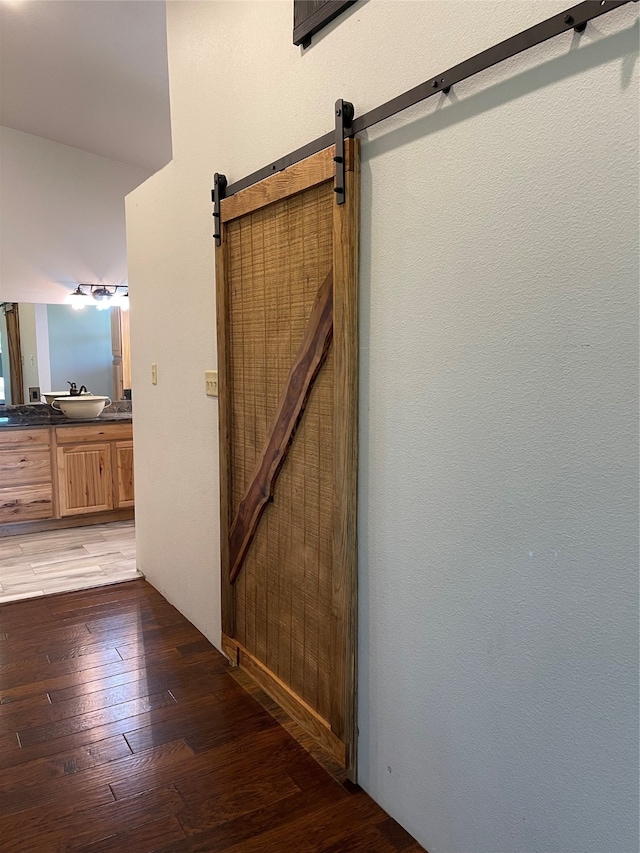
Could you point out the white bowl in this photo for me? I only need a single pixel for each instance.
(82, 407)
(50, 396)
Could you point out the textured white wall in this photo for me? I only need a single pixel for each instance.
(62, 218)
(498, 426)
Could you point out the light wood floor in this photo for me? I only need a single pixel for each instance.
(63, 560)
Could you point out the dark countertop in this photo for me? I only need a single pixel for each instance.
(40, 415)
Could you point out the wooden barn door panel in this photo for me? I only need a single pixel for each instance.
(289, 616)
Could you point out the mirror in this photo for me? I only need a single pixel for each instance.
(44, 347)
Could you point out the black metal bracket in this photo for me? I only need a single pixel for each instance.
(344, 118)
(217, 194)
(579, 28)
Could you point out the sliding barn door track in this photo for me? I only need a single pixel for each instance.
(346, 124)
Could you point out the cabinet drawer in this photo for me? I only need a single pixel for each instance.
(20, 467)
(13, 438)
(93, 432)
(26, 503)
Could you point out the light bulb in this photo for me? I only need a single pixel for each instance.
(77, 298)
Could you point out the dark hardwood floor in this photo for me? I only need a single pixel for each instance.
(123, 729)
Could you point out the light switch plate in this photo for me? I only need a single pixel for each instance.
(211, 383)
(154, 374)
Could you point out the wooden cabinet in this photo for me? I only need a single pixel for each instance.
(26, 503)
(123, 473)
(12, 439)
(84, 478)
(26, 490)
(90, 433)
(31, 465)
(95, 468)
(49, 474)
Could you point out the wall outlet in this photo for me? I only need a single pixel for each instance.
(154, 374)
(34, 395)
(211, 383)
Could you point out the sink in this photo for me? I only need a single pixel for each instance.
(50, 396)
(81, 407)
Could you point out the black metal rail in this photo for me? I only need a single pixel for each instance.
(575, 18)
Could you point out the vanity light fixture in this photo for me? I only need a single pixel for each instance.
(104, 296)
(78, 298)
(122, 301)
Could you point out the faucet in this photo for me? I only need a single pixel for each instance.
(74, 391)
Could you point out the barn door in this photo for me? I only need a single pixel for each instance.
(286, 273)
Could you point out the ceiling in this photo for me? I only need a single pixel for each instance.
(88, 73)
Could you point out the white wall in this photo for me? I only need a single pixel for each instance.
(62, 216)
(498, 425)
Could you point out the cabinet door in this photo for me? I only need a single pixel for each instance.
(123, 473)
(84, 478)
